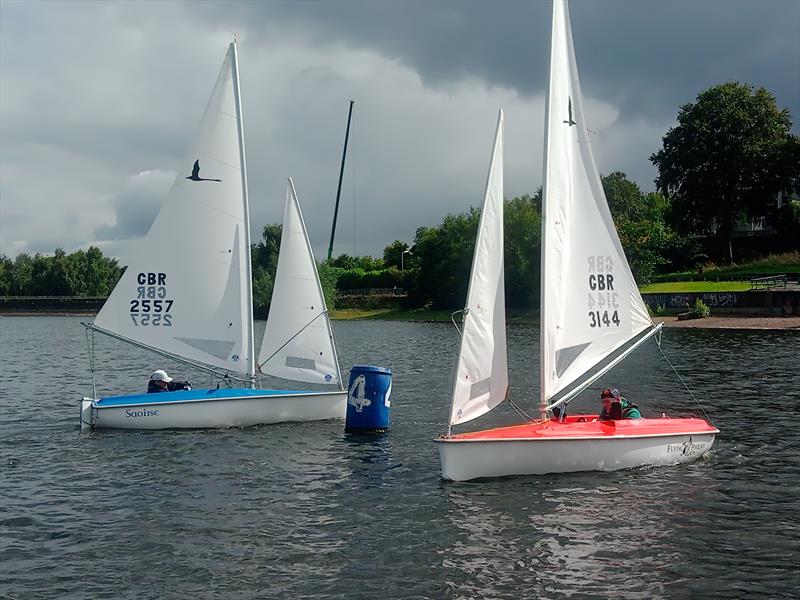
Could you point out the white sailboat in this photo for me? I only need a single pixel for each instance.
(186, 294)
(592, 317)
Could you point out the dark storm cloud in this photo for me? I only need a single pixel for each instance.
(649, 57)
(93, 93)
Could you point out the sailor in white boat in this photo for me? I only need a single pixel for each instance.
(161, 382)
(616, 406)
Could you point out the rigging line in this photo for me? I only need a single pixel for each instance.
(452, 318)
(90, 347)
(271, 356)
(520, 411)
(660, 349)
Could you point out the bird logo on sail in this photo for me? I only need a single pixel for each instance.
(357, 394)
(195, 176)
(570, 122)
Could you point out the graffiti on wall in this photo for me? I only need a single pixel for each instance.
(714, 300)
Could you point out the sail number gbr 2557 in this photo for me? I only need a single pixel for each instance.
(151, 307)
(602, 298)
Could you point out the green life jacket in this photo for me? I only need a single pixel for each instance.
(629, 410)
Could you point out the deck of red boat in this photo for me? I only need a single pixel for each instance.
(587, 426)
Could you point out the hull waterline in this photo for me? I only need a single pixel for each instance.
(211, 409)
(589, 445)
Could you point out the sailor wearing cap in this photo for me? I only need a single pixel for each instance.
(161, 382)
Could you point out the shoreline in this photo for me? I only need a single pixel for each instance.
(728, 321)
(775, 323)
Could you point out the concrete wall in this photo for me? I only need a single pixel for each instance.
(760, 302)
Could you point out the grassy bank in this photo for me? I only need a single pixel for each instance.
(698, 287)
(390, 314)
(422, 315)
(774, 264)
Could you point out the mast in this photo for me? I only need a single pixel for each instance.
(543, 241)
(251, 367)
(341, 174)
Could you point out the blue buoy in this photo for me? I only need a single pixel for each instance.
(368, 398)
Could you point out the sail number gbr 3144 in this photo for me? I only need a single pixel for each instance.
(151, 307)
(602, 297)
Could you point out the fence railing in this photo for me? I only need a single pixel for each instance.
(767, 283)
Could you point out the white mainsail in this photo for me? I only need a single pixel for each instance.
(186, 290)
(590, 302)
(298, 339)
(481, 380)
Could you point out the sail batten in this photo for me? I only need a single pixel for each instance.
(186, 289)
(591, 305)
(481, 379)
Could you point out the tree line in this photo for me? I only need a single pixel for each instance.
(84, 273)
(725, 162)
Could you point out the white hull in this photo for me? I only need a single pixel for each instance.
(464, 460)
(216, 413)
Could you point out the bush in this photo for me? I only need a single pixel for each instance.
(700, 309)
(658, 311)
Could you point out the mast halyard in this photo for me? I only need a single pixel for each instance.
(341, 175)
(251, 366)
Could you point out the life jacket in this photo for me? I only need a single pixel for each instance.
(628, 409)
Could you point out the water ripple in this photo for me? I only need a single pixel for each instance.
(307, 511)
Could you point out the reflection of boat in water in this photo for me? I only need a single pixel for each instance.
(187, 295)
(576, 534)
(592, 317)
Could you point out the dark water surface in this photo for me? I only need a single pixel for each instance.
(305, 511)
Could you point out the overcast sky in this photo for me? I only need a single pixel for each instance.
(100, 100)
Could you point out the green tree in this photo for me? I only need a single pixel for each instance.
(729, 155)
(264, 253)
(22, 274)
(444, 254)
(262, 291)
(328, 278)
(393, 254)
(99, 273)
(344, 261)
(625, 198)
(264, 262)
(6, 275)
(368, 263)
(523, 235)
(40, 275)
(639, 219)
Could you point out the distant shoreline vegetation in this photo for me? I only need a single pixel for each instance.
(728, 189)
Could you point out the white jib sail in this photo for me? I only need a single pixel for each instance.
(590, 302)
(481, 380)
(186, 288)
(298, 339)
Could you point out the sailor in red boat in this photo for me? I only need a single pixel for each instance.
(616, 407)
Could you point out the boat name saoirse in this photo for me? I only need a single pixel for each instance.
(141, 413)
